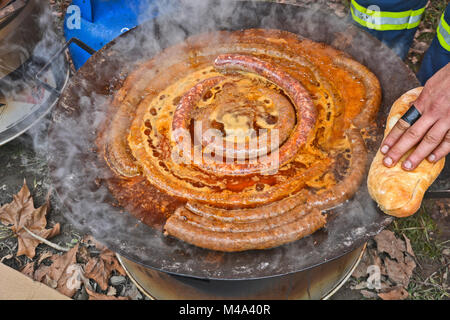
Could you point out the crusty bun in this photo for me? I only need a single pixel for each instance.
(398, 192)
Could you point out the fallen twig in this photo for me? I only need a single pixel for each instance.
(49, 243)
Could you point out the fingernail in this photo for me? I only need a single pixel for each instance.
(407, 164)
(384, 149)
(388, 161)
(431, 157)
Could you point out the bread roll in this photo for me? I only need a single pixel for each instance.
(399, 192)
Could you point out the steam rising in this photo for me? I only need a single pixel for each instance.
(74, 168)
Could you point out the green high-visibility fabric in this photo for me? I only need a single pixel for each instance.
(443, 34)
(385, 20)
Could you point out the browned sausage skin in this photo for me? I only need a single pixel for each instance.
(372, 86)
(251, 214)
(232, 242)
(181, 118)
(253, 226)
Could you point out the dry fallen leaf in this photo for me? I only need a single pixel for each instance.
(60, 274)
(44, 255)
(361, 270)
(339, 9)
(387, 242)
(409, 248)
(398, 293)
(83, 255)
(28, 270)
(376, 260)
(370, 258)
(100, 268)
(395, 259)
(395, 271)
(21, 213)
(368, 294)
(399, 267)
(91, 241)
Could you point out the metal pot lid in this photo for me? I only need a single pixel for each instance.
(74, 166)
(21, 29)
(24, 102)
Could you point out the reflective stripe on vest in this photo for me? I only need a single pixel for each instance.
(443, 34)
(385, 20)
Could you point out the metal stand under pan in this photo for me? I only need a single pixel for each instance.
(319, 282)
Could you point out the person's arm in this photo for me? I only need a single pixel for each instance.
(430, 132)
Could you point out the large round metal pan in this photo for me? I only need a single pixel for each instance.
(75, 169)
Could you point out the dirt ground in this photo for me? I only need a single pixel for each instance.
(428, 231)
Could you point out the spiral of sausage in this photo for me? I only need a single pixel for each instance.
(273, 114)
(317, 97)
(305, 113)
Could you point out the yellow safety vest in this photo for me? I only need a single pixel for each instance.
(443, 33)
(385, 20)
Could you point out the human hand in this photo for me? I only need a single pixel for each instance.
(431, 132)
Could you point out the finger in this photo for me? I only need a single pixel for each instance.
(442, 150)
(408, 140)
(396, 132)
(404, 123)
(430, 141)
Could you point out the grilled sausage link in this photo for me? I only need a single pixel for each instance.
(252, 226)
(116, 150)
(271, 210)
(241, 241)
(181, 117)
(372, 86)
(350, 184)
